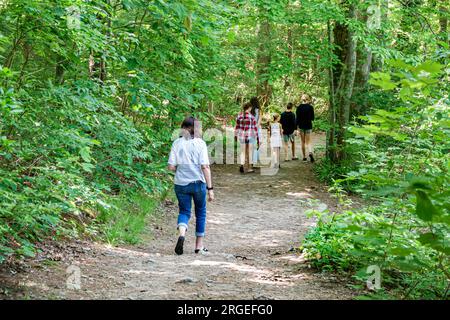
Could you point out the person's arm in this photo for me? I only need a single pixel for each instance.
(256, 132)
(294, 123)
(237, 127)
(172, 163)
(204, 162)
(207, 173)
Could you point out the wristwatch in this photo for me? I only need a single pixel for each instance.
(210, 188)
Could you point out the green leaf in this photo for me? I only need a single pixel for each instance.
(87, 167)
(430, 67)
(401, 251)
(407, 265)
(436, 242)
(85, 154)
(383, 80)
(398, 63)
(420, 183)
(361, 132)
(424, 208)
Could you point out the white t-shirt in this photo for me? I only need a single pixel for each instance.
(188, 155)
(275, 135)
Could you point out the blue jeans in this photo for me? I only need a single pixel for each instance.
(255, 155)
(185, 194)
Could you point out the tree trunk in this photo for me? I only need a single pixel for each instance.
(97, 66)
(340, 36)
(26, 58)
(377, 61)
(364, 62)
(211, 107)
(263, 89)
(97, 60)
(290, 51)
(345, 89)
(363, 66)
(331, 143)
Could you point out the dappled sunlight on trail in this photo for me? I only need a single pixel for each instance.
(253, 228)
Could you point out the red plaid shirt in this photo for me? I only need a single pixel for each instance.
(246, 127)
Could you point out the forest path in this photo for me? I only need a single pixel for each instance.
(252, 228)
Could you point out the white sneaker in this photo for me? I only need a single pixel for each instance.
(202, 251)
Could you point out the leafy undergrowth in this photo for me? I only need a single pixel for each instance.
(400, 163)
(125, 220)
(68, 163)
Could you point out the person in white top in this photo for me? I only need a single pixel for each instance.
(256, 112)
(189, 159)
(275, 141)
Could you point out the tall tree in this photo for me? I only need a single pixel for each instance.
(263, 59)
(331, 135)
(363, 67)
(344, 89)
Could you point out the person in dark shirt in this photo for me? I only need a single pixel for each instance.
(289, 126)
(305, 117)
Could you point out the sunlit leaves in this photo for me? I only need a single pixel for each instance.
(382, 80)
(401, 147)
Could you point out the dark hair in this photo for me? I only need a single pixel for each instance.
(189, 124)
(290, 106)
(255, 105)
(247, 106)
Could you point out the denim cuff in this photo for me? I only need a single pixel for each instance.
(182, 225)
(199, 234)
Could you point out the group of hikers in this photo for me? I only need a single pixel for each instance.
(190, 161)
(282, 131)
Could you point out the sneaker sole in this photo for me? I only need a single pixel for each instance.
(179, 246)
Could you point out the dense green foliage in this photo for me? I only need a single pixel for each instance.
(401, 164)
(88, 106)
(91, 91)
(397, 158)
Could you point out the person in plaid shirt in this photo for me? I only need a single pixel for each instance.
(246, 132)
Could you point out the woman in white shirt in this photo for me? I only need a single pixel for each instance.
(189, 159)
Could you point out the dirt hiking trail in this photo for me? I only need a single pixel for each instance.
(253, 227)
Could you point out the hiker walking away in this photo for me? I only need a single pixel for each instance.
(275, 141)
(246, 132)
(305, 117)
(289, 126)
(256, 112)
(189, 159)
